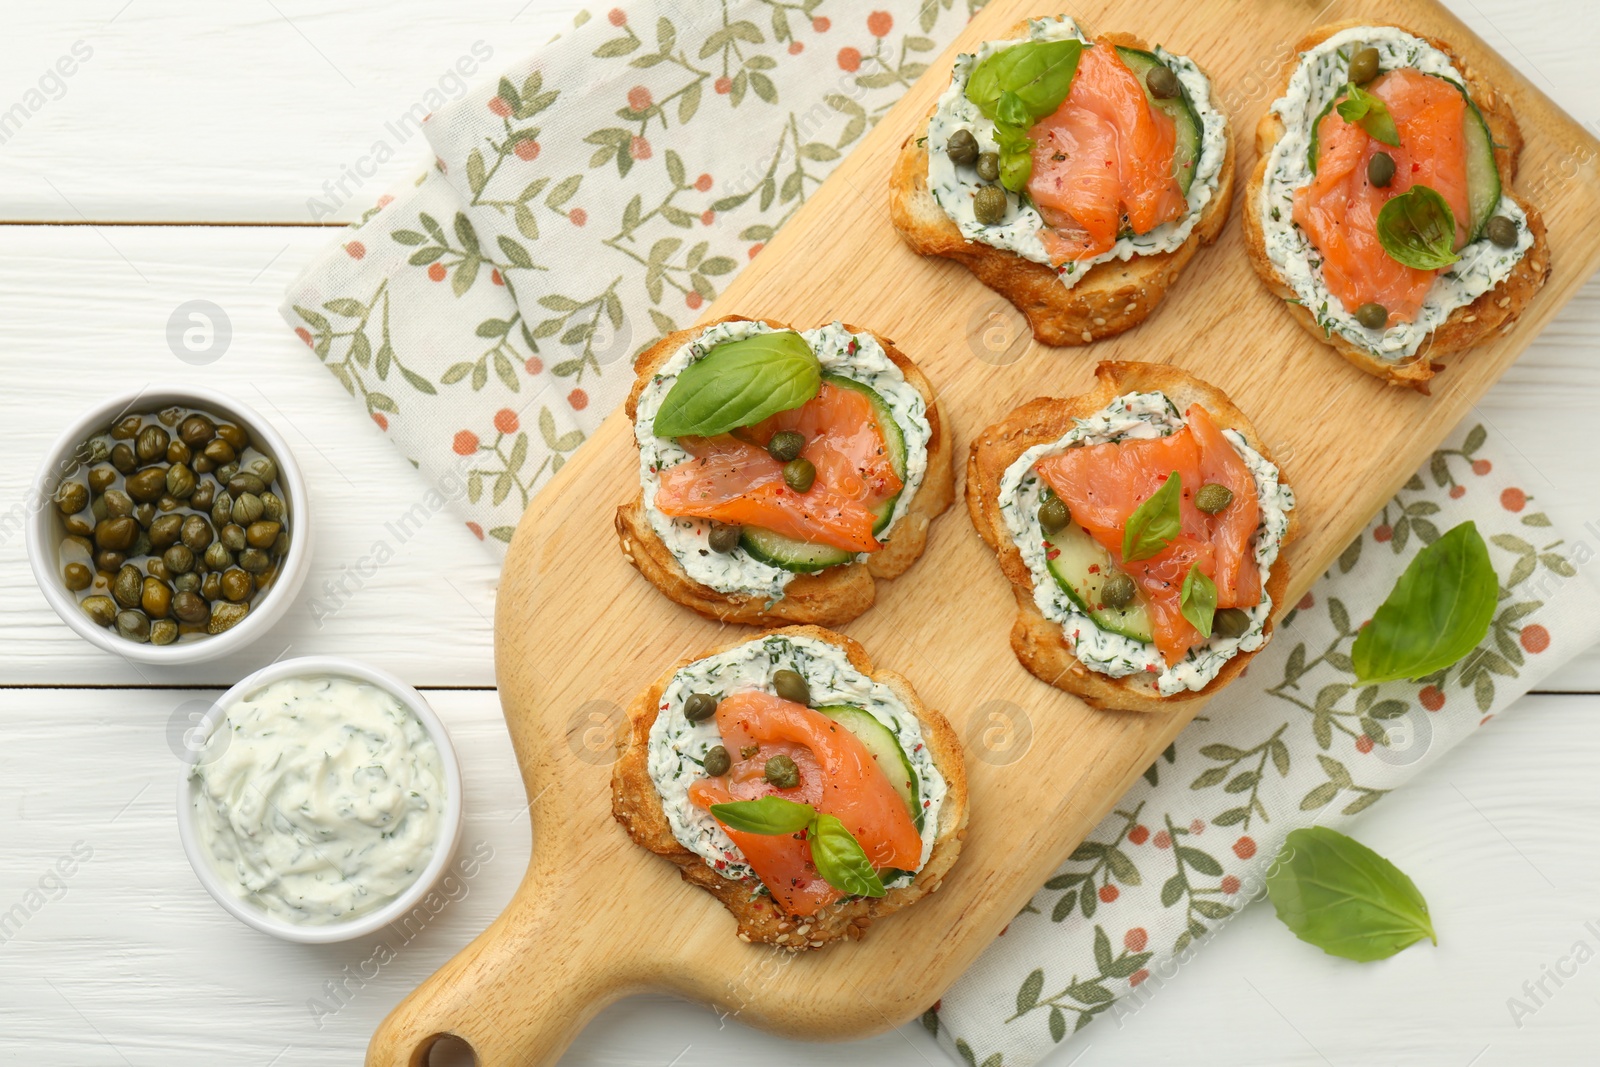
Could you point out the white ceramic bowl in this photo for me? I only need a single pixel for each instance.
(449, 823)
(46, 530)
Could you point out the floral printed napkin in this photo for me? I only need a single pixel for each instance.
(598, 194)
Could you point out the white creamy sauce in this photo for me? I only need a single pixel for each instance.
(686, 538)
(678, 746)
(1316, 81)
(1131, 416)
(956, 187)
(319, 799)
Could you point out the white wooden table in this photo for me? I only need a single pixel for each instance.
(182, 153)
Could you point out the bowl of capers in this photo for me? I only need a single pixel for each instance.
(169, 526)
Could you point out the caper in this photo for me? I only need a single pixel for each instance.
(254, 561)
(179, 559)
(109, 561)
(78, 526)
(180, 481)
(1053, 514)
(1230, 622)
(127, 428)
(280, 547)
(786, 445)
(1372, 316)
(226, 617)
(699, 707)
(717, 761)
(197, 533)
(989, 206)
(272, 506)
(165, 531)
(151, 444)
(233, 538)
(226, 473)
(119, 505)
(149, 484)
(178, 452)
(202, 464)
(219, 451)
(234, 435)
(1380, 170)
(222, 509)
(117, 535)
(97, 509)
(204, 496)
(962, 148)
(72, 498)
(156, 567)
(1162, 83)
(1364, 66)
(218, 558)
(187, 583)
(140, 546)
(163, 632)
(190, 608)
(1118, 591)
(128, 588)
(244, 482)
(169, 416)
(798, 474)
(156, 598)
(1213, 497)
(134, 625)
(102, 478)
(145, 514)
(101, 609)
(247, 509)
(721, 539)
(791, 687)
(211, 585)
(123, 459)
(196, 430)
(263, 467)
(262, 534)
(77, 576)
(989, 166)
(1502, 231)
(781, 771)
(236, 585)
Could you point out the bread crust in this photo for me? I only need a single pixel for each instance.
(829, 597)
(637, 806)
(1039, 643)
(1466, 326)
(1110, 298)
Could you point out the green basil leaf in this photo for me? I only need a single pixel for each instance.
(1039, 73)
(1198, 600)
(1344, 898)
(1361, 108)
(1418, 228)
(1016, 155)
(739, 383)
(1437, 612)
(840, 859)
(1154, 524)
(767, 815)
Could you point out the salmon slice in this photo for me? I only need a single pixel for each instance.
(732, 479)
(838, 776)
(1102, 486)
(1103, 154)
(1338, 209)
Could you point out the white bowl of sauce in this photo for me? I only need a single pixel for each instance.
(320, 801)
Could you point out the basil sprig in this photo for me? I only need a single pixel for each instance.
(1154, 524)
(1437, 612)
(1418, 228)
(835, 852)
(1361, 108)
(739, 383)
(1197, 601)
(1016, 87)
(1339, 895)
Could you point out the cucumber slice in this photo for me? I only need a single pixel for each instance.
(1180, 109)
(1483, 175)
(799, 556)
(879, 740)
(1080, 566)
(893, 438)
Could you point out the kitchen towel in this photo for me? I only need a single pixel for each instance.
(592, 199)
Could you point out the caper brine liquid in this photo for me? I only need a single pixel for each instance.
(175, 522)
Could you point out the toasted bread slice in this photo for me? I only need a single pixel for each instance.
(1110, 298)
(1468, 325)
(1039, 643)
(829, 597)
(637, 806)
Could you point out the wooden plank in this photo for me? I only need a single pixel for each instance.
(576, 629)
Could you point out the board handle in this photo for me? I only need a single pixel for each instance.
(518, 994)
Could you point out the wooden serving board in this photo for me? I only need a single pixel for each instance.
(579, 633)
